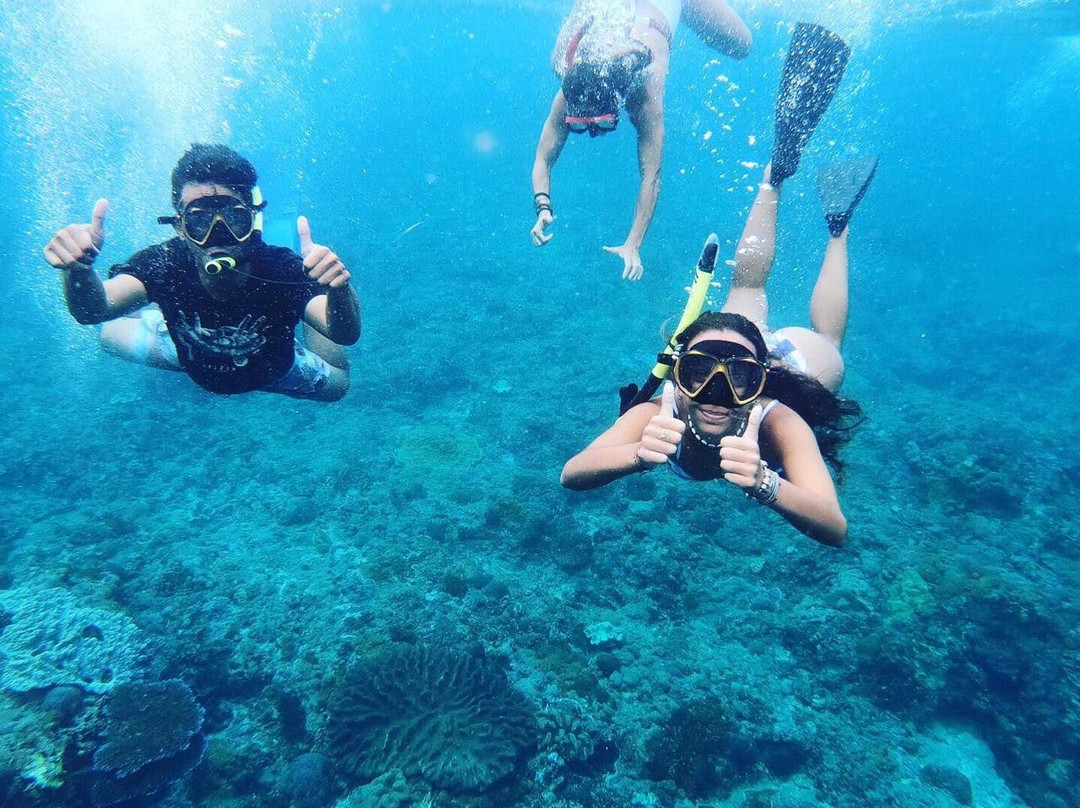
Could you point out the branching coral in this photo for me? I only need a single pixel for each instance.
(448, 717)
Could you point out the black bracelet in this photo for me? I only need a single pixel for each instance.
(542, 206)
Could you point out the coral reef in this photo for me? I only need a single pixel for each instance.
(153, 738)
(449, 717)
(309, 781)
(694, 749)
(49, 638)
(262, 545)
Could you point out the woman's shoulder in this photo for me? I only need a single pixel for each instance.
(637, 417)
(778, 418)
(642, 412)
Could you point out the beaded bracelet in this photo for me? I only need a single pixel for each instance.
(766, 491)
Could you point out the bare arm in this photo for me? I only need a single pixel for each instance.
(612, 455)
(806, 497)
(73, 251)
(335, 315)
(91, 300)
(552, 139)
(647, 115)
(643, 438)
(650, 126)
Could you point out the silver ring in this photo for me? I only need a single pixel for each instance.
(663, 434)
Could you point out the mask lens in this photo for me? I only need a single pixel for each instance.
(197, 222)
(745, 377)
(239, 219)
(717, 393)
(721, 382)
(607, 123)
(692, 371)
(578, 127)
(198, 219)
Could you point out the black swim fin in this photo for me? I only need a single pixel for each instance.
(812, 71)
(841, 187)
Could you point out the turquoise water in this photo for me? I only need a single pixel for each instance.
(317, 574)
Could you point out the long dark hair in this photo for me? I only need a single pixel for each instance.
(832, 418)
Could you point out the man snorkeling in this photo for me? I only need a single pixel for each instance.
(613, 54)
(227, 302)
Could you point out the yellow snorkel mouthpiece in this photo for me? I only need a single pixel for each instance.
(216, 265)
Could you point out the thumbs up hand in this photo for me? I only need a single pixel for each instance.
(322, 263)
(77, 245)
(663, 434)
(740, 455)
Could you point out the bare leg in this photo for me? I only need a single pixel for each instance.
(335, 388)
(820, 348)
(718, 26)
(829, 302)
(337, 382)
(128, 338)
(330, 352)
(337, 385)
(754, 256)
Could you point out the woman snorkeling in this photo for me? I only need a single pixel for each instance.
(612, 55)
(755, 407)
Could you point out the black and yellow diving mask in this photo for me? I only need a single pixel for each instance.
(720, 373)
(198, 220)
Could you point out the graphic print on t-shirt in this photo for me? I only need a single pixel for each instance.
(222, 349)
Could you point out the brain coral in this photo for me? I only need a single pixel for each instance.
(449, 717)
(48, 638)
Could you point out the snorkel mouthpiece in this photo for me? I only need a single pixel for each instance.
(215, 265)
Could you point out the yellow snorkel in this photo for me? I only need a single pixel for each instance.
(630, 395)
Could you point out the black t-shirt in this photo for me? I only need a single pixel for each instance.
(234, 345)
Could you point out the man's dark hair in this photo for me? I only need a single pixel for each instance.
(209, 164)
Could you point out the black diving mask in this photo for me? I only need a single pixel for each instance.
(720, 373)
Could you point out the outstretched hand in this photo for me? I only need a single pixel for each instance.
(632, 266)
(77, 245)
(322, 263)
(662, 435)
(740, 456)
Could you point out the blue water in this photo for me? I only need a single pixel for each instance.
(656, 642)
